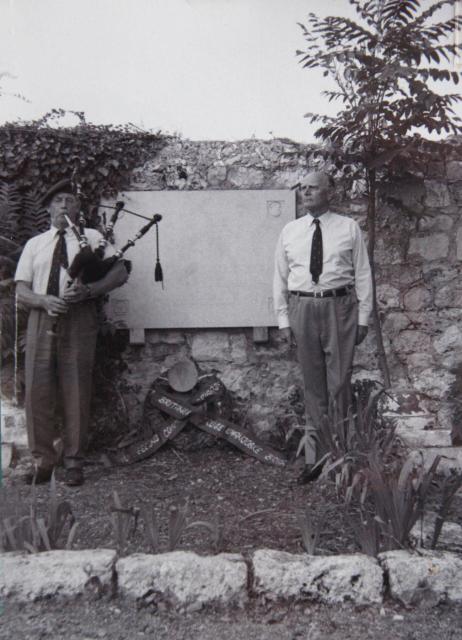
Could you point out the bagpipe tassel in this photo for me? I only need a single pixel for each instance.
(158, 273)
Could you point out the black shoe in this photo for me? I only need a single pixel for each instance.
(38, 476)
(310, 473)
(74, 477)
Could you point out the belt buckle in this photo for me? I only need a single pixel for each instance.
(318, 294)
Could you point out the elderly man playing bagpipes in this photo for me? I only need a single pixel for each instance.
(62, 330)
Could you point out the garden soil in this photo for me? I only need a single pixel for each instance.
(255, 506)
(86, 619)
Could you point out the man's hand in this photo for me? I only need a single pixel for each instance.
(76, 292)
(287, 337)
(361, 333)
(54, 305)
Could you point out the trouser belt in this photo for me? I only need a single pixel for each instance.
(326, 293)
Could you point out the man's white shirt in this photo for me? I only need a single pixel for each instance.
(35, 262)
(345, 262)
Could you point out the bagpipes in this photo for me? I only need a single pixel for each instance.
(90, 265)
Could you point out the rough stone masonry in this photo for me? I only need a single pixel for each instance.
(418, 264)
(418, 261)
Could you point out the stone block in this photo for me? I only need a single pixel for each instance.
(13, 424)
(216, 175)
(395, 322)
(7, 455)
(451, 459)
(288, 178)
(431, 247)
(365, 355)
(238, 345)
(387, 296)
(437, 194)
(55, 573)
(453, 315)
(441, 222)
(432, 577)
(405, 275)
(154, 336)
(160, 350)
(456, 190)
(210, 345)
(245, 177)
(433, 382)
(358, 208)
(233, 159)
(449, 342)
(183, 353)
(261, 419)
(426, 321)
(417, 298)
(449, 539)
(459, 243)
(435, 170)
(143, 373)
(409, 341)
(266, 384)
(184, 578)
(408, 403)
(353, 578)
(419, 432)
(386, 253)
(419, 361)
(445, 413)
(454, 170)
(449, 295)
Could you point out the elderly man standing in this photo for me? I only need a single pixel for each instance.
(323, 297)
(61, 336)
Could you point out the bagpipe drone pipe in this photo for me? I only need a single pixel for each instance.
(90, 265)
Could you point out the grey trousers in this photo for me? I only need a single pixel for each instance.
(325, 333)
(59, 372)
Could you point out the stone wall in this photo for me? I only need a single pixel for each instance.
(419, 290)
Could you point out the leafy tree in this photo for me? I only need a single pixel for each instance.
(384, 66)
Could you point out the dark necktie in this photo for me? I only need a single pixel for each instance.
(59, 260)
(316, 252)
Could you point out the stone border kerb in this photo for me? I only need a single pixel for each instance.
(185, 580)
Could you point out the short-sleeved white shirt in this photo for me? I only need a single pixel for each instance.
(35, 262)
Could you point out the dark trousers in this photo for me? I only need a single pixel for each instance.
(325, 333)
(59, 363)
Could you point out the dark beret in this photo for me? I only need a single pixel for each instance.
(62, 186)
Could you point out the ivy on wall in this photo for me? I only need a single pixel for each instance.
(36, 155)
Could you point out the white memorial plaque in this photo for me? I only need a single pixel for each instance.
(217, 255)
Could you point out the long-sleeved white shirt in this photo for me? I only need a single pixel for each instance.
(345, 262)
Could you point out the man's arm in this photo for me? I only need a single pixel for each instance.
(52, 304)
(363, 278)
(280, 288)
(114, 278)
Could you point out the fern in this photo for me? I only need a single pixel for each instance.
(35, 218)
(10, 209)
